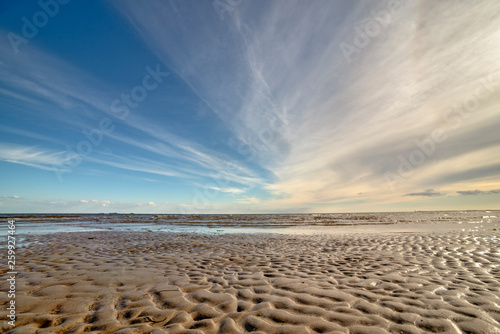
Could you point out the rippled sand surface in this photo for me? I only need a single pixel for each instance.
(124, 282)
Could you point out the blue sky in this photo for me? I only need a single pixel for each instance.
(239, 106)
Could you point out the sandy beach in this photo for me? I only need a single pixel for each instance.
(127, 282)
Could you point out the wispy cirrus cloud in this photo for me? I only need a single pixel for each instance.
(264, 102)
(39, 82)
(37, 79)
(191, 157)
(337, 128)
(31, 156)
(30, 134)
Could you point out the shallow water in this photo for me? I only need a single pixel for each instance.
(39, 224)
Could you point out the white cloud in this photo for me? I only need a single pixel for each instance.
(228, 190)
(328, 130)
(42, 76)
(31, 156)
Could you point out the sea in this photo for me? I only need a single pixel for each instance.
(27, 225)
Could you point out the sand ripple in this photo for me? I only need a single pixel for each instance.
(173, 283)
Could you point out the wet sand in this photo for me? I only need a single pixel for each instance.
(125, 282)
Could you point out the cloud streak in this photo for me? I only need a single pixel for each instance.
(339, 127)
(31, 156)
(427, 193)
(36, 81)
(478, 192)
(284, 113)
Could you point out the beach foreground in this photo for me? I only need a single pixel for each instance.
(122, 282)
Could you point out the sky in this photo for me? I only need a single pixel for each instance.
(239, 106)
